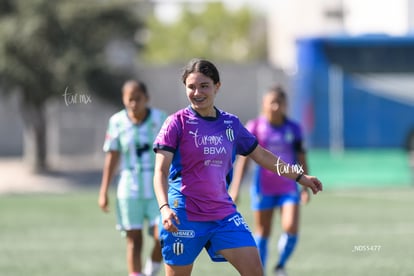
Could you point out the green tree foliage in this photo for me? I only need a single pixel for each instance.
(213, 32)
(47, 45)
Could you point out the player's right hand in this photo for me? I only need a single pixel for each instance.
(103, 202)
(169, 219)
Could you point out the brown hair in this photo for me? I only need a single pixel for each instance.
(203, 66)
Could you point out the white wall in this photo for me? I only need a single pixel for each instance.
(290, 19)
(373, 16)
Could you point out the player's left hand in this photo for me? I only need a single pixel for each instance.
(311, 182)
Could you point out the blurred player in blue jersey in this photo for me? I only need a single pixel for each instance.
(128, 145)
(283, 137)
(194, 154)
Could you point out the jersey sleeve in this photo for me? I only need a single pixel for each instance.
(112, 142)
(246, 141)
(168, 136)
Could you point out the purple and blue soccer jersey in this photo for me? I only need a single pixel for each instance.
(282, 141)
(203, 149)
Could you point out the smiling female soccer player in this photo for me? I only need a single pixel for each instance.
(194, 153)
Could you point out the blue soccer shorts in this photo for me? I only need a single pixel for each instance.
(263, 202)
(183, 247)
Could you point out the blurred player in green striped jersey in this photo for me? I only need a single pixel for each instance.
(128, 147)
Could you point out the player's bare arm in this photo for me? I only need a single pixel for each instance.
(163, 161)
(111, 162)
(272, 162)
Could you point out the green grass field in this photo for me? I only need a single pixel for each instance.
(67, 234)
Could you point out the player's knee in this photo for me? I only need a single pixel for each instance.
(263, 231)
(291, 229)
